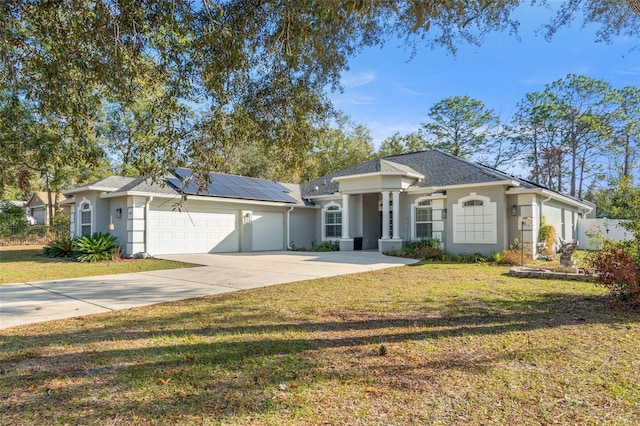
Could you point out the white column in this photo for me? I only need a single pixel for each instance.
(385, 215)
(345, 216)
(396, 215)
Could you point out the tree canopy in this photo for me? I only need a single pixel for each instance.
(81, 79)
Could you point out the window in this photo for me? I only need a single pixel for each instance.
(333, 221)
(424, 220)
(475, 220)
(85, 219)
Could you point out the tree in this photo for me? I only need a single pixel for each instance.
(136, 124)
(582, 113)
(272, 60)
(625, 128)
(563, 131)
(400, 144)
(460, 126)
(337, 148)
(535, 135)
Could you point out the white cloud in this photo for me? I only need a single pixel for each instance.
(408, 91)
(350, 80)
(353, 99)
(629, 71)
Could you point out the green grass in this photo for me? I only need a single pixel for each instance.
(462, 345)
(26, 264)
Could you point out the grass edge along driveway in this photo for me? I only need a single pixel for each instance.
(428, 344)
(26, 264)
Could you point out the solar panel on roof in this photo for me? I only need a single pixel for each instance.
(182, 173)
(230, 186)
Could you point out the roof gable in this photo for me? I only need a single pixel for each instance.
(42, 198)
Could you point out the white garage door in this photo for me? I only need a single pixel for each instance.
(174, 232)
(267, 231)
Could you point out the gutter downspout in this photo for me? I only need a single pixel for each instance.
(542, 205)
(289, 228)
(146, 224)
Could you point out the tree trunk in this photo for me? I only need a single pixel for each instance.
(627, 156)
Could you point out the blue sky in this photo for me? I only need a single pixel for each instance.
(389, 92)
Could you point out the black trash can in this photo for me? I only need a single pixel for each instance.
(357, 243)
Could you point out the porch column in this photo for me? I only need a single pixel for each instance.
(396, 214)
(385, 215)
(345, 216)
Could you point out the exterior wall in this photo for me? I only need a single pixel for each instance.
(563, 217)
(528, 222)
(355, 215)
(136, 227)
(513, 225)
(438, 205)
(302, 228)
(370, 221)
(495, 194)
(119, 221)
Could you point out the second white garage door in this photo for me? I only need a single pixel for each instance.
(267, 231)
(174, 232)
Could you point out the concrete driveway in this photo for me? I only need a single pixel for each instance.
(27, 303)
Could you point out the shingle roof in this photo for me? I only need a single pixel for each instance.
(146, 184)
(438, 168)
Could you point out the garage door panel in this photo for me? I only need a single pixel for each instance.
(267, 231)
(174, 232)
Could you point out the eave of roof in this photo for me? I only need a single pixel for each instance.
(507, 182)
(415, 175)
(552, 194)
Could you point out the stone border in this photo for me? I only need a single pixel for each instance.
(540, 273)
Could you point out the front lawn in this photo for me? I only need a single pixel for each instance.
(430, 344)
(26, 264)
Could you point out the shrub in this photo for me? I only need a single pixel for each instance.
(12, 219)
(59, 248)
(617, 270)
(99, 246)
(428, 249)
(547, 234)
(327, 246)
(508, 257)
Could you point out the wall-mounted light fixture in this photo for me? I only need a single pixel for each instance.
(118, 213)
(514, 210)
(444, 213)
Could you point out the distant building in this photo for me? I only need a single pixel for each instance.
(38, 206)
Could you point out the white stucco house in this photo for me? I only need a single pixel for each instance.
(377, 205)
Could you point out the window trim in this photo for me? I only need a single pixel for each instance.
(81, 224)
(466, 224)
(422, 204)
(333, 208)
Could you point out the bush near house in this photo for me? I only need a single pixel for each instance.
(617, 269)
(327, 246)
(547, 236)
(429, 249)
(94, 248)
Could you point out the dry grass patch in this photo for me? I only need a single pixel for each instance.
(431, 344)
(26, 264)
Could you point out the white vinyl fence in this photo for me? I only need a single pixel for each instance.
(610, 229)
